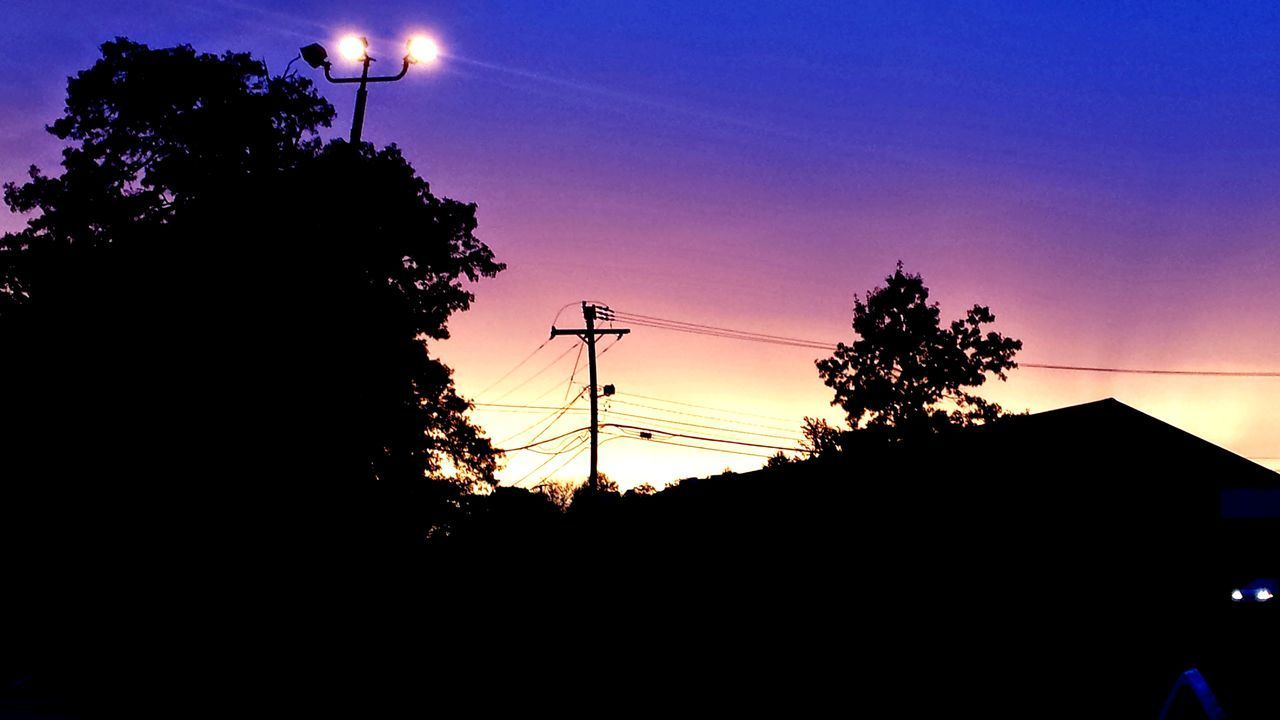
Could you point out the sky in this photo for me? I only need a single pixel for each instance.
(1104, 176)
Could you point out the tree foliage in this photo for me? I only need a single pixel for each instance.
(908, 374)
(211, 302)
(820, 439)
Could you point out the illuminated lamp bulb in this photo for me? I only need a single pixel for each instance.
(423, 49)
(353, 47)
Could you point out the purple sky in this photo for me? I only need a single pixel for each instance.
(1105, 179)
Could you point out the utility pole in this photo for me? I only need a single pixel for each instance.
(591, 313)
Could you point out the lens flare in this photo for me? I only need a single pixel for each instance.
(423, 49)
(352, 47)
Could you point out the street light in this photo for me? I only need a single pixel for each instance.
(420, 49)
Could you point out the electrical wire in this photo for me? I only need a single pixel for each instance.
(700, 438)
(516, 367)
(678, 324)
(733, 334)
(545, 368)
(607, 348)
(549, 424)
(703, 427)
(549, 460)
(564, 447)
(1144, 371)
(628, 403)
(704, 407)
(519, 407)
(498, 407)
(574, 373)
(543, 442)
(559, 467)
(694, 447)
(576, 455)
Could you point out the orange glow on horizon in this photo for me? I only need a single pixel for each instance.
(771, 389)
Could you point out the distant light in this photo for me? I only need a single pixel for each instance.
(1262, 594)
(423, 49)
(1237, 595)
(353, 47)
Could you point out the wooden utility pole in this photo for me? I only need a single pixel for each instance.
(590, 313)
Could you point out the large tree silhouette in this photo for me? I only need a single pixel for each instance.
(216, 327)
(906, 374)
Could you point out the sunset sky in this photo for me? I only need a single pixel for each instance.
(1105, 176)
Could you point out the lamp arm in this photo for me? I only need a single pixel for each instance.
(392, 78)
(385, 78)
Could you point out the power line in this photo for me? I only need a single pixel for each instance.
(694, 447)
(550, 424)
(558, 412)
(700, 437)
(748, 336)
(734, 335)
(628, 403)
(548, 461)
(607, 348)
(565, 464)
(566, 445)
(1202, 373)
(704, 427)
(704, 407)
(550, 389)
(517, 366)
(699, 327)
(519, 407)
(563, 410)
(543, 442)
(545, 368)
(569, 386)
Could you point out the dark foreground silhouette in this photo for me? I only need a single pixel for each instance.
(1075, 561)
(1069, 564)
(222, 443)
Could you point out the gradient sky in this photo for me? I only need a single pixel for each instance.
(1104, 175)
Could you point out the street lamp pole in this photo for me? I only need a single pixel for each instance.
(362, 92)
(362, 96)
(420, 50)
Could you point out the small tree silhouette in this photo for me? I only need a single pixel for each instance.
(820, 439)
(777, 460)
(905, 369)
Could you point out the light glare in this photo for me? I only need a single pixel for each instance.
(1237, 595)
(352, 47)
(1263, 595)
(423, 49)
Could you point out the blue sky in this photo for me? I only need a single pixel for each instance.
(1104, 175)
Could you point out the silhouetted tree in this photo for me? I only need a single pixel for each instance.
(560, 493)
(906, 374)
(643, 489)
(777, 460)
(229, 320)
(604, 492)
(820, 439)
